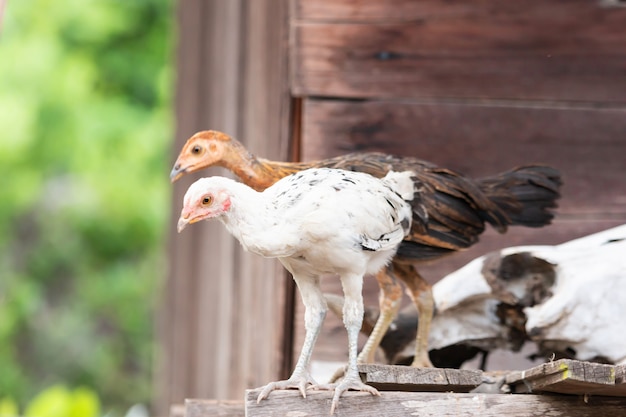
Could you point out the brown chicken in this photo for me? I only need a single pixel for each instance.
(457, 209)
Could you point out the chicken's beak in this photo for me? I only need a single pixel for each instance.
(186, 217)
(177, 172)
(182, 223)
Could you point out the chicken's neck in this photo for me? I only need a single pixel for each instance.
(259, 173)
(249, 218)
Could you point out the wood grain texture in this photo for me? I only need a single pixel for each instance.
(569, 377)
(536, 50)
(586, 144)
(222, 321)
(581, 379)
(620, 379)
(410, 10)
(404, 378)
(393, 403)
(373, 11)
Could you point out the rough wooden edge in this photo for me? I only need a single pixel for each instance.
(620, 374)
(206, 408)
(393, 403)
(405, 378)
(570, 377)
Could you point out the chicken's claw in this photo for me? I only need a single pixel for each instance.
(348, 383)
(301, 383)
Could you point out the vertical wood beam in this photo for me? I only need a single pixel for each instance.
(221, 326)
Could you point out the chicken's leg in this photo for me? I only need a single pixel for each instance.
(390, 297)
(314, 313)
(422, 295)
(352, 319)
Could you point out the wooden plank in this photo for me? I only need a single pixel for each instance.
(585, 143)
(393, 403)
(413, 11)
(373, 11)
(404, 378)
(265, 314)
(210, 347)
(568, 377)
(211, 408)
(173, 375)
(537, 50)
(620, 379)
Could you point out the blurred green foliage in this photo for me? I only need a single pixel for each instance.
(55, 401)
(86, 122)
(8, 407)
(58, 401)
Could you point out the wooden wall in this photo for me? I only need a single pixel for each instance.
(533, 50)
(479, 87)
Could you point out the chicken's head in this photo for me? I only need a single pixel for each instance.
(203, 200)
(202, 150)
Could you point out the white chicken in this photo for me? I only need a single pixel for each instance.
(316, 222)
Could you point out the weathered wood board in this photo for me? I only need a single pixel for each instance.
(620, 375)
(404, 378)
(531, 50)
(570, 377)
(586, 143)
(423, 404)
(413, 11)
(595, 390)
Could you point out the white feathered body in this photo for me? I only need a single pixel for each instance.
(322, 220)
(318, 221)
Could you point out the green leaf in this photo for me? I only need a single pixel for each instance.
(85, 403)
(51, 402)
(8, 407)
(58, 401)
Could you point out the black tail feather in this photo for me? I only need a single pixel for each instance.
(526, 194)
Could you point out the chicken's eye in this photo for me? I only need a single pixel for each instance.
(196, 149)
(207, 200)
